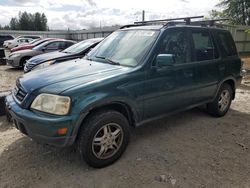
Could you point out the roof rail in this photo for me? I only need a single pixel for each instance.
(204, 23)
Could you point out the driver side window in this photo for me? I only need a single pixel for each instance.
(176, 43)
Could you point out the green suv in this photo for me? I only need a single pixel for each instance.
(137, 74)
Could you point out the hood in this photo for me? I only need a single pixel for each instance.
(22, 47)
(8, 41)
(25, 51)
(60, 77)
(46, 57)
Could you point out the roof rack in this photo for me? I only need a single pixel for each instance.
(186, 19)
(151, 22)
(177, 21)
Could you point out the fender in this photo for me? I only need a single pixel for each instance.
(102, 103)
(231, 78)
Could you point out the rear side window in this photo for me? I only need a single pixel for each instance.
(203, 46)
(68, 44)
(226, 43)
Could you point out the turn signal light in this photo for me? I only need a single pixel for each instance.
(62, 131)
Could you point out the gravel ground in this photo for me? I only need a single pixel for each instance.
(189, 149)
(8, 76)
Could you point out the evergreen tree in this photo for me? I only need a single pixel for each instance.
(14, 25)
(27, 21)
(44, 22)
(24, 21)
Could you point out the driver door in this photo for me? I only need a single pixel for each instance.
(167, 87)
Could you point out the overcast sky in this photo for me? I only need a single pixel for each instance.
(82, 14)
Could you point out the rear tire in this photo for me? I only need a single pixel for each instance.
(103, 138)
(221, 104)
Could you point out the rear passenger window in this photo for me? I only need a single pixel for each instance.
(204, 48)
(226, 43)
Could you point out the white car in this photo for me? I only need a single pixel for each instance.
(19, 40)
(16, 42)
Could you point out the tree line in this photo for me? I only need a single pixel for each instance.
(237, 11)
(29, 22)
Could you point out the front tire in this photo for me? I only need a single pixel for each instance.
(23, 61)
(221, 104)
(103, 138)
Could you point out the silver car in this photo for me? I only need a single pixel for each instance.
(19, 58)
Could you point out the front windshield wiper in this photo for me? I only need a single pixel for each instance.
(110, 61)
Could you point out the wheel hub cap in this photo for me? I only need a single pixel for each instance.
(107, 141)
(224, 100)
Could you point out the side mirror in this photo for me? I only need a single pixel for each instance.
(44, 48)
(164, 60)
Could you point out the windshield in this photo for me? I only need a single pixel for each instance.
(34, 41)
(126, 47)
(79, 47)
(38, 47)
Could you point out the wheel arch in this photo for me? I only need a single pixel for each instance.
(24, 58)
(230, 81)
(119, 106)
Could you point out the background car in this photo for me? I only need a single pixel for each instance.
(75, 51)
(14, 43)
(20, 41)
(19, 58)
(4, 37)
(30, 45)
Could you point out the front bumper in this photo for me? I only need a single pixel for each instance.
(13, 62)
(41, 127)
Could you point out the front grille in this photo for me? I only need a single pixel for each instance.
(19, 92)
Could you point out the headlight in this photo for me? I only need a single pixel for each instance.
(43, 65)
(14, 55)
(53, 104)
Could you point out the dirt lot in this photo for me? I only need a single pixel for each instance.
(190, 149)
(246, 61)
(8, 77)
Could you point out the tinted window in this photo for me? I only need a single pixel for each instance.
(176, 43)
(226, 43)
(68, 44)
(204, 48)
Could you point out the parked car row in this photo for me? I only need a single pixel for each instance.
(37, 53)
(19, 58)
(77, 50)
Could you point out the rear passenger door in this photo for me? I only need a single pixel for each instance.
(205, 58)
